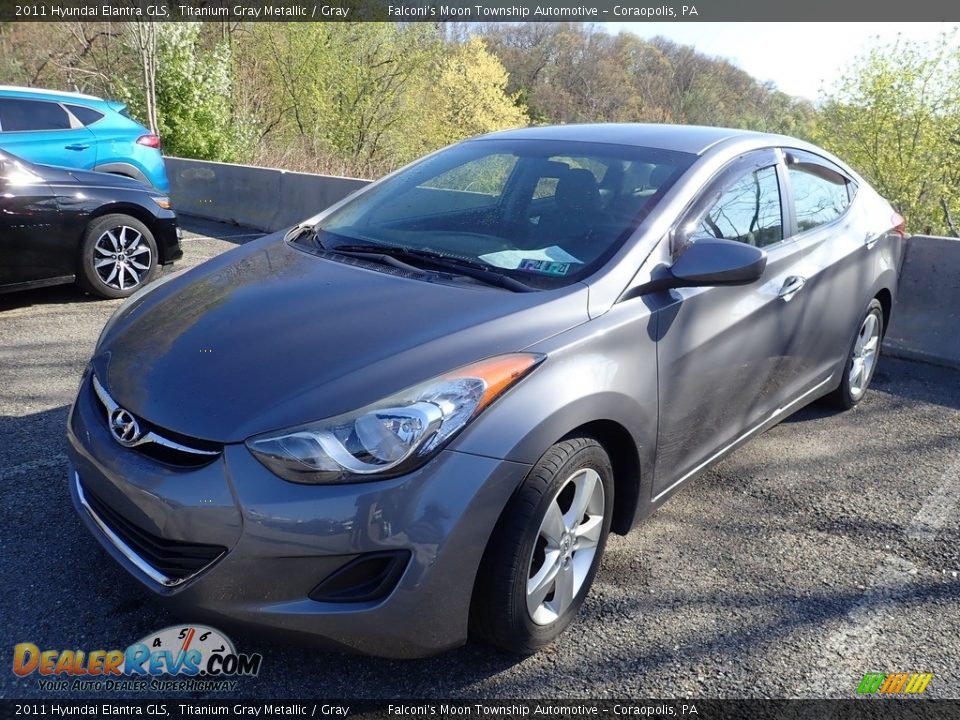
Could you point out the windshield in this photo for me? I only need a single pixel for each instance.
(544, 212)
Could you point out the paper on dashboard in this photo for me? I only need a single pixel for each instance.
(511, 259)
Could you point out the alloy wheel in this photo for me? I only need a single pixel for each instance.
(122, 258)
(566, 546)
(865, 353)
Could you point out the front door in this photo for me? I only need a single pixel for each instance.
(724, 353)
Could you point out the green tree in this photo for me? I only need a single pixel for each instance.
(895, 116)
(377, 95)
(193, 97)
(343, 85)
(465, 95)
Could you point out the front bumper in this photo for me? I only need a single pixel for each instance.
(281, 539)
(167, 234)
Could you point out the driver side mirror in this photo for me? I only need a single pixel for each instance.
(716, 261)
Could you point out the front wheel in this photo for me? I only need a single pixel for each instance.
(545, 550)
(861, 359)
(117, 257)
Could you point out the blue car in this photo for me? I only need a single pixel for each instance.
(79, 131)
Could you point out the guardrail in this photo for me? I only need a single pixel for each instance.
(926, 320)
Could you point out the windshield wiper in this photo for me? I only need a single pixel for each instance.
(310, 233)
(462, 266)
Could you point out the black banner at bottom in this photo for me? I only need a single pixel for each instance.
(854, 709)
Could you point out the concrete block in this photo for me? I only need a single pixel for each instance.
(261, 198)
(926, 319)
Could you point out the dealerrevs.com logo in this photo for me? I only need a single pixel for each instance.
(188, 658)
(894, 683)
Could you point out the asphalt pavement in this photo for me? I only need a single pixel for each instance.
(827, 548)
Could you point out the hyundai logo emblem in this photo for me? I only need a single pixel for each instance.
(124, 426)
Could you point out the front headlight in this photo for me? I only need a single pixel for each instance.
(392, 436)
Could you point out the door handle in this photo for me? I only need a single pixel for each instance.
(791, 286)
(871, 239)
(77, 146)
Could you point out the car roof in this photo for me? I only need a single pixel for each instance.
(44, 94)
(694, 139)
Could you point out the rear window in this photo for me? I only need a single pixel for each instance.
(86, 116)
(544, 212)
(822, 192)
(18, 115)
(820, 195)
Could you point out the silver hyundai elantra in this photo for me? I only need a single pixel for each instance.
(415, 417)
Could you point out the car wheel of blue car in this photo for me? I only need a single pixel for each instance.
(545, 550)
(118, 256)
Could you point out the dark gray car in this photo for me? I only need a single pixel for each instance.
(416, 417)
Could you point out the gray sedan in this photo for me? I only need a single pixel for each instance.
(416, 417)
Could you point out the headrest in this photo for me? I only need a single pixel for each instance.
(578, 190)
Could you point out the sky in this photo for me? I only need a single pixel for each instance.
(797, 57)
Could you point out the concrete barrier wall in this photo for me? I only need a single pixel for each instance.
(261, 198)
(926, 319)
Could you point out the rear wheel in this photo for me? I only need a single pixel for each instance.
(118, 256)
(861, 359)
(546, 549)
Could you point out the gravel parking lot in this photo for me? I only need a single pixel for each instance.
(827, 548)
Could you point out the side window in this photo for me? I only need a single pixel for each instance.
(820, 195)
(24, 115)
(86, 116)
(747, 211)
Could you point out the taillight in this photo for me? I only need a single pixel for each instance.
(899, 224)
(149, 140)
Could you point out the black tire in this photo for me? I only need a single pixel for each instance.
(846, 396)
(499, 614)
(132, 277)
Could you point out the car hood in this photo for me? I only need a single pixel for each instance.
(267, 336)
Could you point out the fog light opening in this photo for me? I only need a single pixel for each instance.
(367, 578)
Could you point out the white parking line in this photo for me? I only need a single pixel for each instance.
(938, 507)
(844, 651)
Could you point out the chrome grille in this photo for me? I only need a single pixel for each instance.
(152, 442)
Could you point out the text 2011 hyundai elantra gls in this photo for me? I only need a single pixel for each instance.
(416, 417)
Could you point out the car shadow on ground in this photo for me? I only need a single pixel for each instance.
(915, 382)
(55, 295)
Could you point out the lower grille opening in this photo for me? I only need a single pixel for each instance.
(369, 577)
(175, 559)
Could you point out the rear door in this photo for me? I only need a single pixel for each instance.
(725, 353)
(44, 132)
(837, 271)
